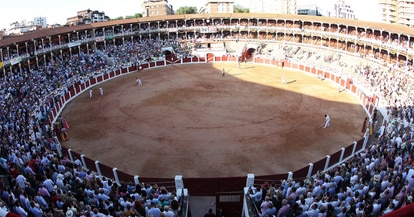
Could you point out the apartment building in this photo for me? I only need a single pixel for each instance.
(343, 10)
(156, 8)
(217, 6)
(40, 21)
(273, 6)
(311, 10)
(397, 11)
(86, 17)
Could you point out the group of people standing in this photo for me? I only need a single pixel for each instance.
(61, 127)
(101, 91)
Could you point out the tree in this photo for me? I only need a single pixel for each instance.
(240, 9)
(137, 15)
(186, 10)
(118, 18)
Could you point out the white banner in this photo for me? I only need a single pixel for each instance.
(74, 44)
(100, 39)
(15, 60)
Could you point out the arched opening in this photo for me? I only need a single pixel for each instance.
(248, 54)
(168, 54)
(210, 57)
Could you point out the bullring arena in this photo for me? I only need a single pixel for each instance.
(190, 119)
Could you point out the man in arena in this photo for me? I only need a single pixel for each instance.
(327, 121)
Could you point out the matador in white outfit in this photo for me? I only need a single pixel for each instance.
(327, 121)
(139, 82)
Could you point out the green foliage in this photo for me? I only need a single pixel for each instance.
(240, 9)
(118, 18)
(186, 10)
(137, 15)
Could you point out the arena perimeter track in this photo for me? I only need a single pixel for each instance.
(189, 120)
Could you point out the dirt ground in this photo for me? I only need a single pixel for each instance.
(191, 121)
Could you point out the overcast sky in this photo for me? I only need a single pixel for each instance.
(58, 11)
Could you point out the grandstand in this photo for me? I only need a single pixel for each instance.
(202, 48)
(43, 70)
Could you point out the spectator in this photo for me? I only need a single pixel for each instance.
(269, 211)
(210, 213)
(27, 134)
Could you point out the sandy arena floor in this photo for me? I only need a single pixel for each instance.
(189, 120)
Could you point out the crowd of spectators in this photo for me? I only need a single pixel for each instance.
(390, 82)
(377, 181)
(38, 182)
(35, 180)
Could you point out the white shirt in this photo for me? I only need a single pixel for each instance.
(21, 181)
(19, 210)
(327, 118)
